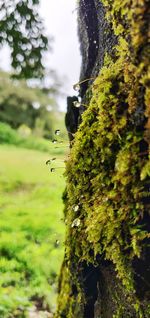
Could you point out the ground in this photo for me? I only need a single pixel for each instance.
(32, 231)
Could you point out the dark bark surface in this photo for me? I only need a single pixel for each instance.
(96, 39)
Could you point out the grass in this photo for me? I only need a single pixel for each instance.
(31, 231)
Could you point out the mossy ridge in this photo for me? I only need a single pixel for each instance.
(106, 170)
(130, 21)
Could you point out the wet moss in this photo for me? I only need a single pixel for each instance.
(108, 165)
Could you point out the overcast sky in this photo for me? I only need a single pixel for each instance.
(60, 19)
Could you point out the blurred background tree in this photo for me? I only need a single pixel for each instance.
(21, 104)
(22, 29)
(24, 103)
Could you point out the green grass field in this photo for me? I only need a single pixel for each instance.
(31, 231)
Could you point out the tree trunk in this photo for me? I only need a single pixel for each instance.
(106, 268)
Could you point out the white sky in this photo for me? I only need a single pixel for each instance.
(60, 19)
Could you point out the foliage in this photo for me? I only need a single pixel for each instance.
(32, 231)
(107, 170)
(22, 29)
(8, 135)
(12, 137)
(21, 104)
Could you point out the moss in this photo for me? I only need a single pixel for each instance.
(70, 302)
(106, 170)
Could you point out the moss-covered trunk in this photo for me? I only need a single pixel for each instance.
(106, 269)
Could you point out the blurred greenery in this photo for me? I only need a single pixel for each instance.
(12, 137)
(21, 104)
(31, 230)
(22, 29)
(31, 224)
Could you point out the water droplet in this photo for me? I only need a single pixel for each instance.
(77, 104)
(57, 132)
(54, 141)
(76, 223)
(48, 162)
(66, 221)
(76, 87)
(76, 208)
(57, 242)
(94, 42)
(52, 169)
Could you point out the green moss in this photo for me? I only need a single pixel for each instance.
(106, 170)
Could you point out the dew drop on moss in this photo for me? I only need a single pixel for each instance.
(54, 141)
(76, 87)
(76, 223)
(77, 104)
(57, 132)
(48, 162)
(57, 242)
(76, 208)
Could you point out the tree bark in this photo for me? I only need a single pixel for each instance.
(106, 268)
